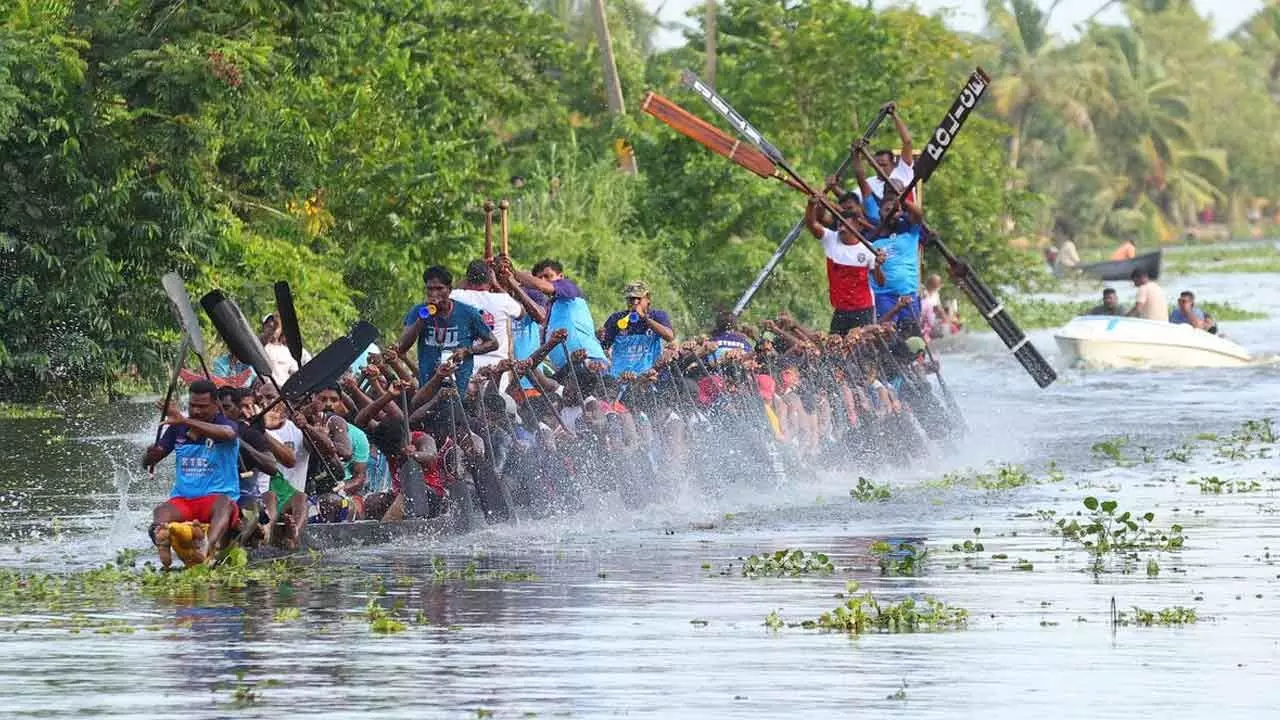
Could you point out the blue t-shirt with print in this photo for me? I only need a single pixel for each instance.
(568, 310)
(902, 261)
(204, 466)
(459, 329)
(727, 342)
(526, 335)
(636, 348)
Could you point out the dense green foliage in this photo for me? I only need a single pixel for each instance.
(346, 145)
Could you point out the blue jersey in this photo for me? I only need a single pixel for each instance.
(569, 310)
(727, 342)
(902, 262)
(204, 466)
(635, 348)
(440, 333)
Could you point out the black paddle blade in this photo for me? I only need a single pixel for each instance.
(177, 292)
(235, 331)
(329, 364)
(289, 320)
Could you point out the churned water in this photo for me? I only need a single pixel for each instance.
(649, 615)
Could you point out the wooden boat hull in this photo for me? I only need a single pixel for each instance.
(323, 537)
(1121, 269)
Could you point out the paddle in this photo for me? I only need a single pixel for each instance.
(330, 363)
(183, 348)
(235, 331)
(505, 206)
(288, 320)
(176, 289)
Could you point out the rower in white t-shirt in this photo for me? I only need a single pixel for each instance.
(496, 308)
(282, 363)
(895, 168)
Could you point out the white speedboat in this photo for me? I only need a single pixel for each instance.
(1110, 342)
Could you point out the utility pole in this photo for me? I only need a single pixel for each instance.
(612, 85)
(709, 73)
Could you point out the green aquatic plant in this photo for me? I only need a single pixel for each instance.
(1181, 454)
(773, 621)
(20, 411)
(287, 614)
(861, 613)
(898, 558)
(867, 491)
(1213, 485)
(1176, 615)
(1002, 477)
(1112, 449)
(1108, 532)
(900, 694)
(970, 546)
(381, 621)
(786, 563)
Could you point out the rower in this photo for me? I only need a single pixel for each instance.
(442, 325)
(1149, 303)
(634, 337)
(285, 493)
(849, 262)
(207, 485)
(1186, 313)
(1126, 251)
(325, 428)
(566, 308)
(497, 309)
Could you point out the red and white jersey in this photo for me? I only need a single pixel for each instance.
(847, 269)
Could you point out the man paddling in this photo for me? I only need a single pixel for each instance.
(1186, 313)
(848, 265)
(207, 484)
(566, 309)
(498, 310)
(442, 325)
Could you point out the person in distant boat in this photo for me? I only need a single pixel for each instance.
(207, 483)
(1126, 251)
(1068, 255)
(1149, 303)
(1110, 304)
(1186, 313)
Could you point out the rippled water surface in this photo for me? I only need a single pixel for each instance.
(647, 615)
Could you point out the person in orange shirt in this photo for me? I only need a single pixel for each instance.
(1126, 251)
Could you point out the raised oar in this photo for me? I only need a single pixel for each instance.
(289, 320)
(505, 207)
(745, 129)
(178, 362)
(488, 242)
(176, 289)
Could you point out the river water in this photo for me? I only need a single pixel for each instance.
(637, 615)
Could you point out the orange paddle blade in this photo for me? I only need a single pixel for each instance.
(695, 128)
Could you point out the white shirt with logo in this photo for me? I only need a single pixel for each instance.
(290, 436)
(497, 310)
(902, 172)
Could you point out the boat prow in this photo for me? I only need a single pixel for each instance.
(1103, 341)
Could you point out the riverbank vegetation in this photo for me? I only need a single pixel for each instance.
(343, 148)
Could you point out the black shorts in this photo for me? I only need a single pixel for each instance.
(842, 321)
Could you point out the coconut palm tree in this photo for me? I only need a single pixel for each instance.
(1035, 74)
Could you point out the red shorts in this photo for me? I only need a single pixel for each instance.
(200, 509)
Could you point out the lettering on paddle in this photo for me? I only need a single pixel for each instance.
(946, 132)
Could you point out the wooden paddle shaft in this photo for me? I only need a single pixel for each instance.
(505, 206)
(488, 229)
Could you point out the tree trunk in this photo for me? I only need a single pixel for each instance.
(709, 74)
(612, 85)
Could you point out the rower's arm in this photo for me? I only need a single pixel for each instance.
(907, 155)
(373, 409)
(811, 220)
(260, 461)
(408, 335)
(213, 431)
(535, 311)
(535, 282)
(281, 452)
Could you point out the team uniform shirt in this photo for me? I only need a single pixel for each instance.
(290, 436)
(902, 262)
(203, 466)
(445, 334)
(359, 451)
(379, 473)
(1151, 298)
(636, 348)
(283, 366)
(727, 342)
(1178, 318)
(498, 310)
(526, 335)
(848, 268)
(251, 437)
(902, 172)
(568, 309)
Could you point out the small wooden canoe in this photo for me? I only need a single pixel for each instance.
(1122, 269)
